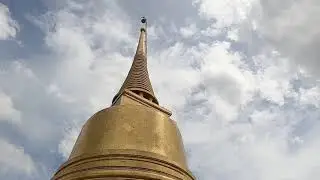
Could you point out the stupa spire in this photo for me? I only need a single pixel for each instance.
(138, 80)
(133, 139)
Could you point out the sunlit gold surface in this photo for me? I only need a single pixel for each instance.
(133, 139)
(127, 140)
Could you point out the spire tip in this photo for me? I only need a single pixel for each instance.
(143, 20)
(144, 23)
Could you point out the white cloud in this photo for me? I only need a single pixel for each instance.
(228, 83)
(71, 132)
(231, 108)
(14, 159)
(274, 76)
(7, 111)
(262, 149)
(279, 155)
(225, 12)
(8, 27)
(86, 51)
(310, 96)
(291, 27)
(233, 34)
(28, 98)
(174, 63)
(88, 67)
(188, 31)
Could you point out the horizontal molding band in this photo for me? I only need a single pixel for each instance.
(153, 160)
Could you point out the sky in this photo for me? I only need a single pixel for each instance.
(240, 76)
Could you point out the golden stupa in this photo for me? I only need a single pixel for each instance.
(133, 139)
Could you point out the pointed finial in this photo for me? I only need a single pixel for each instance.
(138, 80)
(143, 20)
(144, 23)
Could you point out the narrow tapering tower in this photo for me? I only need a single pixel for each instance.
(133, 139)
(138, 80)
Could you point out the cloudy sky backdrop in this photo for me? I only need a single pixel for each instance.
(241, 77)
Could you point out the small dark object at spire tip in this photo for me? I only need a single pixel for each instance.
(143, 20)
